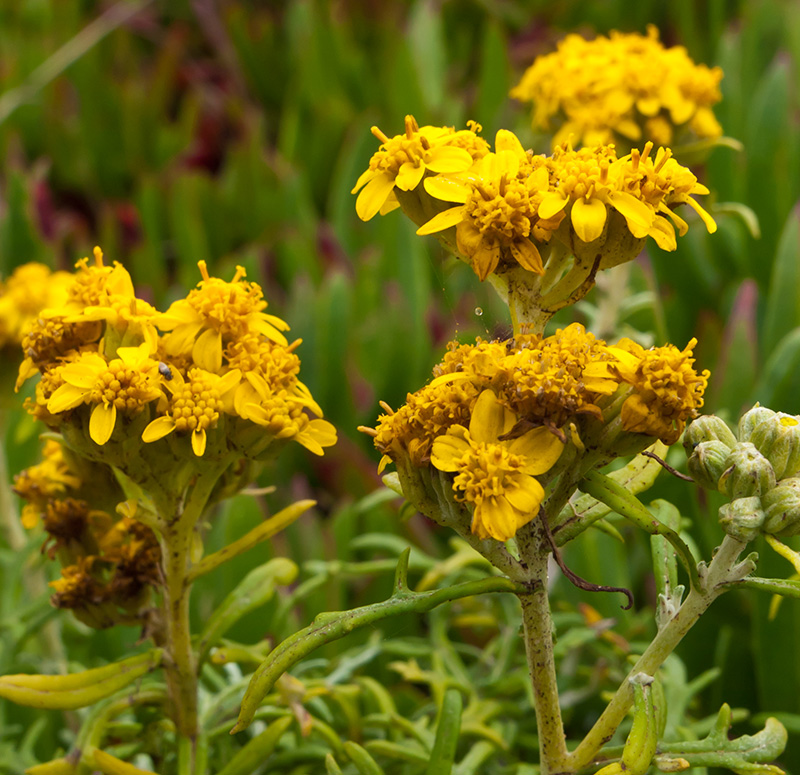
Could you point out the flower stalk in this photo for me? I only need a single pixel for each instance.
(538, 633)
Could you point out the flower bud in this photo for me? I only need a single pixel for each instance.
(782, 508)
(707, 463)
(778, 439)
(747, 472)
(708, 427)
(742, 518)
(749, 420)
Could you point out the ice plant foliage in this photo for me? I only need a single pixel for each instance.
(623, 88)
(499, 414)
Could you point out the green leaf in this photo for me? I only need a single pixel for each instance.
(362, 759)
(447, 732)
(782, 305)
(257, 751)
(426, 43)
(736, 372)
(255, 589)
(779, 381)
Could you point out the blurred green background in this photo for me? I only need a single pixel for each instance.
(170, 132)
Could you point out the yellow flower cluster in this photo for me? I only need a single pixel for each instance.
(622, 88)
(109, 565)
(403, 160)
(215, 364)
(28, 290)
(498, 414)
(507, 205)
(511, 203)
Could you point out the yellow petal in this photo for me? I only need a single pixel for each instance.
(540, 447)
(527, 497)
(442, 221)
(373, 195)
(198, 442)
(495, 518)
(160, 427)
(448, 449)
(316, 435)
(663, 233)
(101, 423)
(390, 204)
(448, 158)
(552, 204)
(637, 213)
(363, 178)
(64, 398)
(448, 189)
(490, 418)
(683, 227)
(505, 140)
(710, 223)
(588, 219)
(181, 340)
(408, 176)
(539, 180)
(207, 351)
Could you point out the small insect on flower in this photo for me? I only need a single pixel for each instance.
(164, 370)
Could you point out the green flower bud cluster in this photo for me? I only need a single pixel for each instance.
(758, 468)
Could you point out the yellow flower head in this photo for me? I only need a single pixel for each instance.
(215, 314)
(126, 384)
(30, 289)
(403, 160)
(499, 197)
(496, 476)
(77, 587)
(284, 414)
(582, 183)
(667, 389)
(49, 340)
(619, 89)
(195, 406)
(38, 484)
(661, 183)
(106, 294)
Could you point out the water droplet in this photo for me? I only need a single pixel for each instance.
(478, 311)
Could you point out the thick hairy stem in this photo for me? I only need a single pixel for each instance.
(181, 671)
(181, 666)
(538, 632)
(719, 572)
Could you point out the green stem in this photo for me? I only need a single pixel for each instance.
(537, 623)
(180, 668)
(722, 571)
